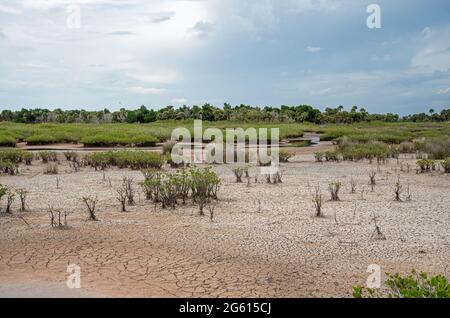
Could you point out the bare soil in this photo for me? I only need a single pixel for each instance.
(277, 250)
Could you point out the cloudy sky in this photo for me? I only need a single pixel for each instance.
(125, 53)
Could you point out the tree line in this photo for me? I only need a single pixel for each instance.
(243, 113)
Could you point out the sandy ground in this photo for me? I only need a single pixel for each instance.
(279, 250)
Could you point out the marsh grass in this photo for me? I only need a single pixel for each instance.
(122, 133)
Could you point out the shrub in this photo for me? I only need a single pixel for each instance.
(41, 140)
(127, 184)
(122, 198)
(398, 189)
(3, 190)
(7, 141)
(319, 156)
(414, 285)
(426, 165)
(142, 141)
(178, 163)
(204, 186)
(446, 165)
(99, 160)
(285, 155)
(438, 148)
(317, 200)
(407, 147)
(51, 168)
(111, 140)
(53, 213)
(46, 138)
(14, 155)
(10, 197)
(47, 156)
(23, 197)
(372, 180)
(166, 188)
(151, 185)
(91, 203)
(238, 173)
(27, 157)
(332, 156)
(168, 146)
(135, 160)
(8, 167)
(353, 186)
(182, 183)
(168, 191)
(70, 155)
(370, 151)
(334, 188)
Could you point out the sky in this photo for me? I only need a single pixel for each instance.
(93, 54)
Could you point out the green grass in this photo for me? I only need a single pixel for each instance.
(148, 134)
(414, 285)
(125, 159)
(7, 141)
(372, 150)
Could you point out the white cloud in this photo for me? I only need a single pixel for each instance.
(121, 33)
(147, 90)
(300, 6)
(34, 65)
(311, 49)
(9, 10)
(179, 100)
(320, 92)
(201, 29)
(49, 4)
(434, 54)
(159, 17)
(444, 91)
(167, 77)
(427, 32)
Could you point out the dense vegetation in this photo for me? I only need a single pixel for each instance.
(207, 112)
(415, 285)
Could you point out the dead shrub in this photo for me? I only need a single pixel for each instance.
(377, 234)
(23, 197)
(238, 173)
(10, 198)
(211, 209)
(408, 194)
(334, 188)
(317, 200)
(70, 155)
(91, 204)
(438, 148)
(372, 180)
(127, 184)
(407, 147)
(318, 156)
(352, 186)
(58, 218)
(51, 168)
(122, 198)
(398, 189)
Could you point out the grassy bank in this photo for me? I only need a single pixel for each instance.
(149, 134)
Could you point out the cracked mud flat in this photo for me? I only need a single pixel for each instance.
(280, 251)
